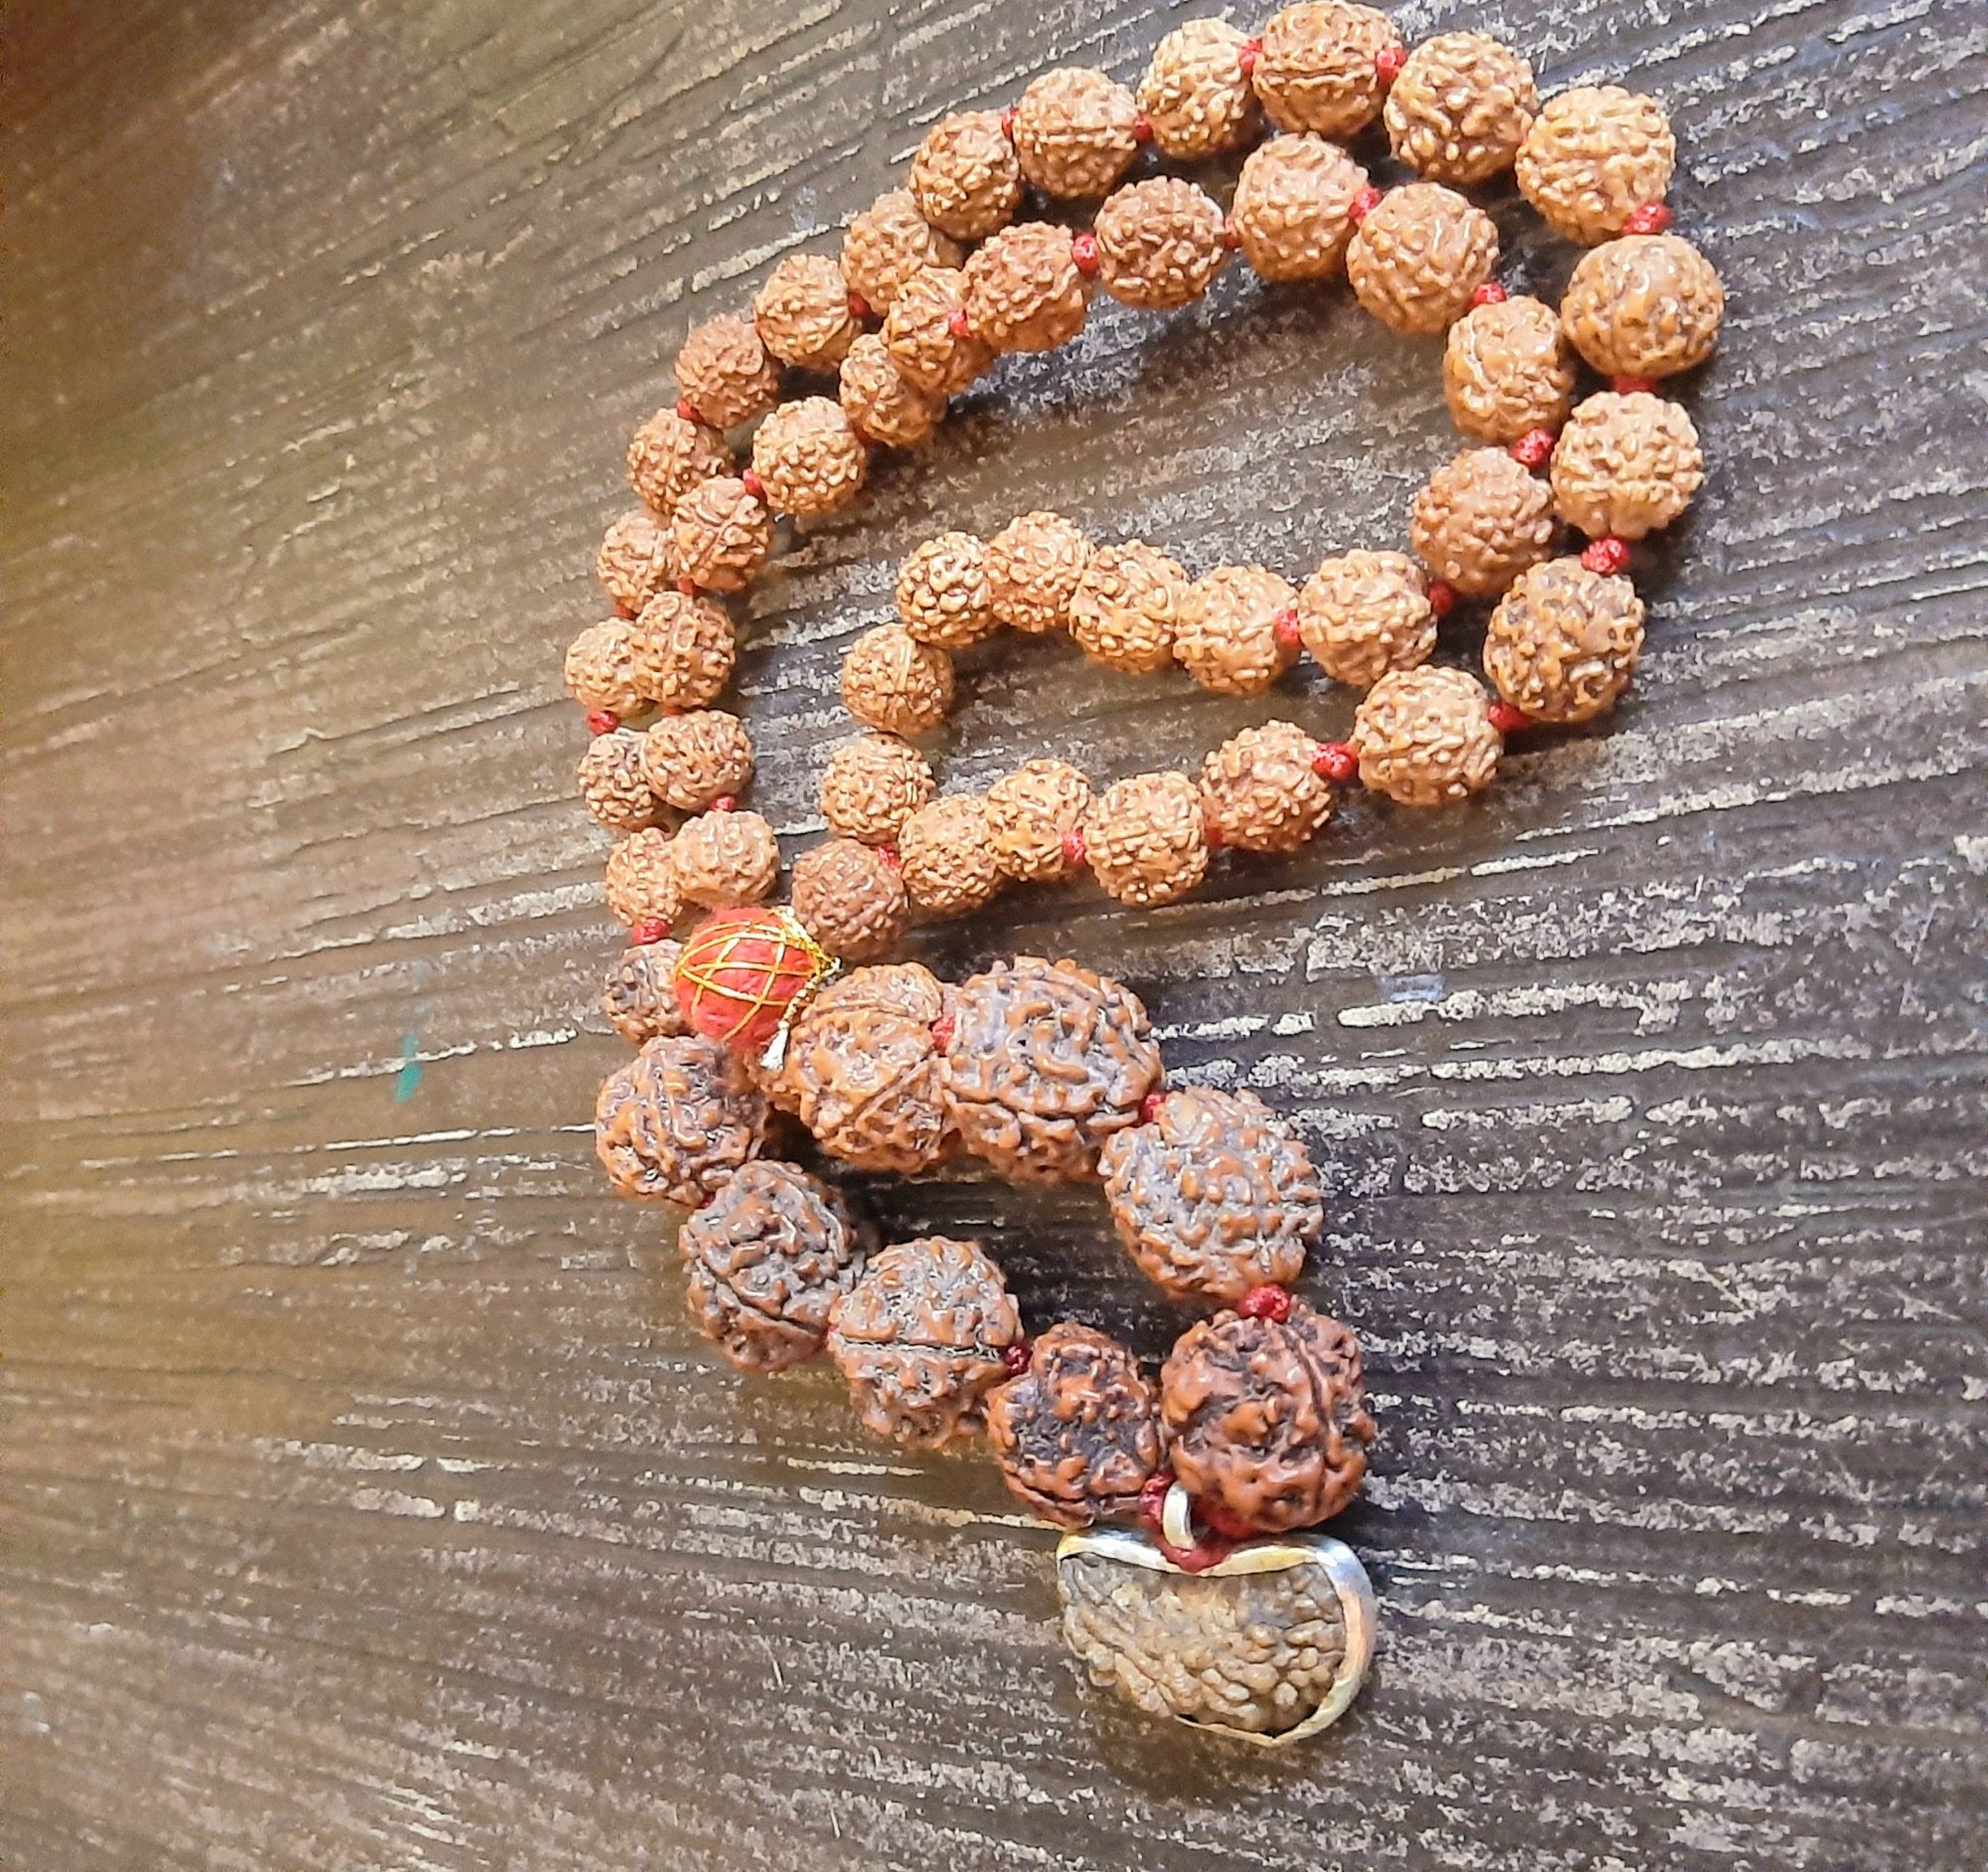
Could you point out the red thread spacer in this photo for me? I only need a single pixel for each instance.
(602, 720)
(1608, 555)
(860, 307)
(724, 802)
(1489, 294)
(688, 587)
(688, 409)
(1084, 252)
(1143, 128)
(1441, 595)
(1149, 1105)
(1008, 123)
(1335, 761)
(1074, 848)
(1015, 1358)
(1285, 629)
(1265, 1302)
(1509, 721)
(889, 854)
(941, 1030)
(1631, 386)
(1363, 205)
(959, 323)
(623, 611)
(1387, 62)
(1534, 449)
(1651, 218)
(753, 484)
(1230, 238)
(1247, 54)
(1211, 834)
(648, 930)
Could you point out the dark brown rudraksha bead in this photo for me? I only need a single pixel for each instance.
(867, 1086)
(677, 1120)
(640, 997)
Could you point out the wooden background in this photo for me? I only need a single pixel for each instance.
(367, 1503)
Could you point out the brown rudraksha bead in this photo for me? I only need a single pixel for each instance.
(808, 458)
(1460, 107)
(1075, 132)
(802, 312)
(669, 455)
(1196, 93)
(921, 1337)
(880, 407)
(1563, 641)
(893, 682)
(725, 858)
(1031, 815)
(1128, 603)
(766, 1257)
(1261, 792)
(640, 997)
(1146, 840)
(681, 650)
(886, 244)
(1213, 1196)
(1643, 306)
(1424, 736)
(1508, 368)
(1231, 641)
(1267, 1418)
(635, 560)
(1044, 1062)
(1159, 243)
(918, 333)
(942, 593)
(690, 760)
(1033, 568)
(1480, 521)
(1418, 255)
(872, 785)
(850, 898)
(1077, 1434)
(641, 880)
(612, 785)
(1293, 211)
(1594, 157)
(907, 988)
(867, 1084)
(1316, 71)
(599, 673)
(725, 373)
(947, 861)
(678, 1121)
(1364, 614)
(1626, 466)
(965, 177)
(1024, 292)
(721, 533)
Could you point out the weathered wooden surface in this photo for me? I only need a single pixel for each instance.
(369, 1503)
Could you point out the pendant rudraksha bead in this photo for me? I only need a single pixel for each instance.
(1293, 211)
(1508, 368)
(872, 785)
(1364, 614)
(1044, 1062)
(1231, 640)
(1127, 605)
(1031, 815)
(1024, 292)
(1146, 840)
(920, 1336)
(1159, 243)
(1075, 132)
(1196, 92)
(693, 759)
(669, 454)
(851, 898)
(1563, 641)
(1460, 107)
(867, 1084)
(942, 593)
(1594, 157)
(1266, 1418)
(892, 682)
(808, 460)
(635, 560)
(946, 855)
(640, 997)
(1643, 306)
(612, 785)
(675, 1123)
(681, 650)
(598, 671)
(1034, 565)
(965, 177)
(918, 332)
(880, 407)
(1261, 790)
(1317, 71)
(802, 312)
(766, 1257)
(1481, 520)
(641, 880)
(1076, 1436)
(1425, 738)
(1626, 466)
(743, 975)
(721, 535)
(886, 244)
(725, 858)
(1213, 1196)
(1418, 255)
(726, 374)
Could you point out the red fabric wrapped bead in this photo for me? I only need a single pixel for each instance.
(744, 973)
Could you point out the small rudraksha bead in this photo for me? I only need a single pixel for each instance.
(1159, 242)
(888, 243)
(766, 1259)
(669, 454)
(1075, 132)
(1232, 641)
(1076, 1436)
(721, 533)
(1196, 92)
(867, 1085)
(1033, 568)
(808, 458)
(599, 674)
(1424, 736)
(850, 899)
(635, 560)
(1293, 211)
(919, 333)
(802, 312)
(1594, 157)
(690, 760)
(1214, 1195)
(1480, 521)
(725, 858)
(612, 785)
(1643, 306)
(678, 1121)
(1460, 107)
(1267, 1418)
(1507, 370)
(1024, 292)
(1146, 841)
(943, 597)
(682, 649)
(642, 882)
(965, 177)
(1563, 641)
(640, 997)
(1317, 69)
(893, 682)
(1364, 614)
(1044, 1062)
(1031, 815)
(921, 1337)
(880, 407)
(1626, 466)
(1418, 255)
(1127, 605)
(947, 862)
(872, 785)
(726, 374)
(1260, 790)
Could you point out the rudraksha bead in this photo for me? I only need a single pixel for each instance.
(918, 332)
(640, 997)
(893, 682)
(1364, 614)
(1146, 841)
(1260, 790)
(1024, 292)
(766, 1260)
(1418, 255)
(1076, 1436)
(802, 312)
(1643, 306)
(1563, 641)
(612, 785)
(1460, 107)
(1230, 641)
(1196, 93)
(1033, 566)
(1317, 69)
(678, 1121)
(1480, 521)
(1293, 211)
(1626, 466)
(641, 879)
(965, 177)
(1075, 132)
(599, 673)
(942, 593)
(1594, 157)
(867, 1085)
(921, 1337)
(850, 898)
(725, 858)
(881, 406)
(947, 862)
(1508, 368)
(1044, 1062)
(907, 988)
(1127, 605)
(682, 649)
(690, 760)
(1424, 736)
(808, 458)
(1031, 815)
(1267, 1418)
(1159, 242)
(635, 558)
(721, 533)
(726, 374)
(669, 454)
(888, 243)
(872, 785)
(1214, 1195)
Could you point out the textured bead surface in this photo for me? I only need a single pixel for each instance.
(1146, 840)
(721, 535)
(1127, 605)
(1363, 614)
(808, 458)
(907, 988)
(681, 650)
(881, 406)
(1316, 71)
(942, 593)
(598, 672)
(1033, 566)
(1626, 466)
(1507, 370)
(1594, 157)
(635, 560)
(890, 681)
(1480, 521)
(693, 759)
(1563, 641)
(640, 995)
(1023, 289)
(888, 243)
(726, 374)
(802, 312)
(917, 332)
(1196, 93)
(850, 898)
(1418, 255)
(1077, 1434)
(1424, 736)
(1643, 306)
(1460, 107)
(1159, 242)
(1075, 132)
(965, 177)
(612, 785)
(947, 861)
(669, 454)
(872, 785)
(676, 1122)
(867, 1087)
(1261, 791)
(641, 879)
(1228, 641)
(1292, 209)
(725, 858)
(1031, 815)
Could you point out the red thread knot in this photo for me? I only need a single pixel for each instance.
(753, 484)
(688, 587)
(1387, 62)
(1441, 596)
(623, 611)
(1632, 386)
(1143, 128)
(688, 409)
(1286, 630)
(959, 323)
(941, 1030)
(1015, 1358)
(1509, 721)
(1363, 205)
(1247, 54)
(1084, 252)
(1335, 761)
(1073, 851)
(1489, 294)
(648, 930)
(1651, 218)
(1534, 449)
(724, 802)
(1008, 123)
(1265, 1302)
(602, 720)
(1231, 238)
(1608, 555)
(889, 854)
(858, 307)
(1149, 1105)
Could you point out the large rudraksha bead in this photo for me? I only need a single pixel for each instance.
(678, 1120)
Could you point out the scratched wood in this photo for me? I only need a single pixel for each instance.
(369, 1502)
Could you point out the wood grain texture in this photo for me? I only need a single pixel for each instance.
(369, 1502)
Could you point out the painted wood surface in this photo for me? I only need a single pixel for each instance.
(369, 1502)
